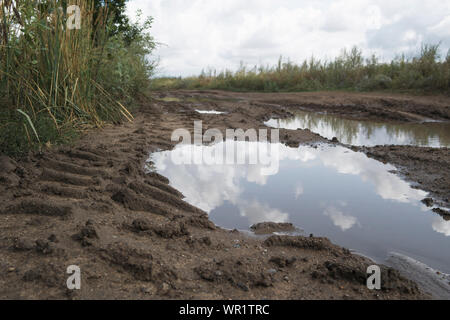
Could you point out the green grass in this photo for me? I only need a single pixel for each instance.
(426, 72)
(56, 82)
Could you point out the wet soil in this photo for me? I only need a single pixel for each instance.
(133, 236)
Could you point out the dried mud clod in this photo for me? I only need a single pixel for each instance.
(87, 234)
(138, 263)
(299, 242)
(333, 272)
(38, 207)
(443, 213)
(282, 261)
(48, 275)
(428, 202)
(199, 242)
(237, 273)
(271, 227)
(130, 200)
(168, 230)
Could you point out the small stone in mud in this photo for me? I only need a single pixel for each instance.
(31, 275)
(141, 224)
(198, 241)
(164, 288)
(53, 238)
(7, 165)
(282, 261)
(271, 271)
(271, 227)
(242, 286)
(44, 246)
(428, 202)
(86, 233)
(22, 245)
(445, 214)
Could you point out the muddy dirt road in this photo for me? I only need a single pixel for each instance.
(132, 235)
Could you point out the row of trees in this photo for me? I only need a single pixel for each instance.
(427, 71)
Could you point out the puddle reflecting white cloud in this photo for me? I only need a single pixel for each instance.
(257, 212)
(208, 186)
(441, 226)
(388, 185)
(298, 190)
(339, 219)
(210, 112)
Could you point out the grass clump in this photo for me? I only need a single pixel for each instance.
(61, 72)
(427, 71)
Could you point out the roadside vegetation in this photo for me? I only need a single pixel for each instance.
(427, 71)
(56, 81)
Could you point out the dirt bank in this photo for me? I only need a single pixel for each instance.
(133, 236)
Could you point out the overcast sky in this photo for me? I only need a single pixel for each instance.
(220, 33)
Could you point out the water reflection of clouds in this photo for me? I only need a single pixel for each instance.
(442, 226)
(298, 190)
(388, 186)
(257, 212)
(340, 219)
(209, 186)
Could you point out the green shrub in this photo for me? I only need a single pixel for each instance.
(349, 71)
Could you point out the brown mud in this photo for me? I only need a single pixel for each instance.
(133, 236)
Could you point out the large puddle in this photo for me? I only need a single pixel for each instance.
(368, 133)
(324, 190)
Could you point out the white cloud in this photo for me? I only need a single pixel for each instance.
(220, 34)
(339, 219)
(298, 190)
(441, 226)
(257, 212)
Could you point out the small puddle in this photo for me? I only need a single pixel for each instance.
(368, 133)
(328, 191)
(210, 112)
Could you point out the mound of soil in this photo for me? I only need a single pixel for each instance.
(271, 227)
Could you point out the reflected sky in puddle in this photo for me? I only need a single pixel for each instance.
(210, 112)
(328, 191)
(368, 133)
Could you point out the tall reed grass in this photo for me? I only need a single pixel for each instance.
(427, 71)
(55, 81)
